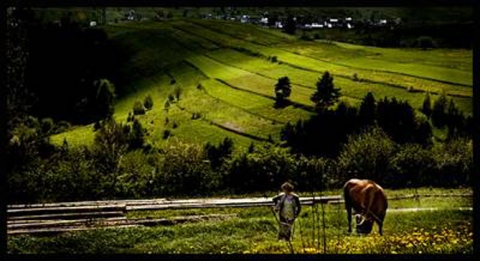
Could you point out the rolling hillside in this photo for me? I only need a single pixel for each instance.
(224, 73)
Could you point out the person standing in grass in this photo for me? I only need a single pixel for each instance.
(288, 205)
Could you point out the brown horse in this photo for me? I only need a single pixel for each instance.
(369, 202)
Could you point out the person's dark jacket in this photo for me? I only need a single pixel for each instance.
(279, 199)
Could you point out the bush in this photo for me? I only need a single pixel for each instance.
(425, 42)
(136, 134)
(97, 125)
(367, 155)
(136, 176)
(196, 115)
(453, 163)
(138, 108)
(177, 93)
(355, 77)
(217, 154)
(262, 170)
(148, 102)
(274, 59)
(411, 167)
(183, 171)
(63, 126)
(47, 125)
(306, 37)
(166, 134)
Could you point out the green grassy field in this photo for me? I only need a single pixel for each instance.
(423, 232)
(223, 72)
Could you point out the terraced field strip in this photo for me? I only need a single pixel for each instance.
(247, 81)
(198, 131)
(352, 91)
(252, 103)
(436, 73)
(392, 79)
(230, 129)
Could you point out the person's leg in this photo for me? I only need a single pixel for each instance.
(282, 234)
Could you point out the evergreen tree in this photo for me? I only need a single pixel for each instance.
(136, 136)
(326, 94)
(148, 102)
(439, 111)
(291, 25)
(367, 109)
(427, 105)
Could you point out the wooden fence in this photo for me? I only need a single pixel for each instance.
(86, 215)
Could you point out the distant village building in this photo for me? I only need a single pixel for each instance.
(93, 23)
(244, 19)
(278, 24)
(264, 20)
(131, 15)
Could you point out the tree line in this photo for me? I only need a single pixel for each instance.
(121, 165)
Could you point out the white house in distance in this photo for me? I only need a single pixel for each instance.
(264, 20)
(93, 23)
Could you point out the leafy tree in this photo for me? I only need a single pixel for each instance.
(283, 90)
(427, 105)
(148, 102)
(326, 93)
(368, 109)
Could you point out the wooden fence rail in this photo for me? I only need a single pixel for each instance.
(86, 215)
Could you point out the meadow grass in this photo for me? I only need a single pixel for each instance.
(243, 101)
(254, 230)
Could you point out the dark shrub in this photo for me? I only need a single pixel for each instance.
(166, 134)
(148, 102)
(138, 108)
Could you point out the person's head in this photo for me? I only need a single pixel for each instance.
(287, 187)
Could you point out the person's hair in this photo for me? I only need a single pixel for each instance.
(287, 186)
